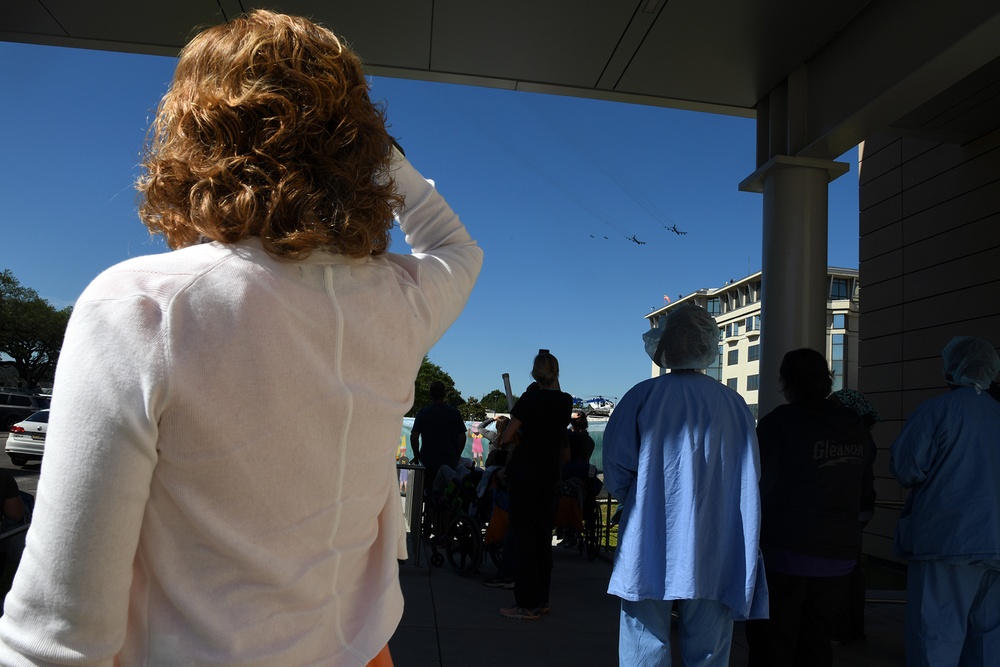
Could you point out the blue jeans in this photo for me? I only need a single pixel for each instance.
(705, 633)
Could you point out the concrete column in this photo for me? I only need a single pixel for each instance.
(794, 265)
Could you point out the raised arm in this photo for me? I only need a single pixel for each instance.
(444, 262)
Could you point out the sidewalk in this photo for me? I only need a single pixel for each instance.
(453, 621)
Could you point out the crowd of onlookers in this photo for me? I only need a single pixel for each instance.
(724, 518)
(542, 444)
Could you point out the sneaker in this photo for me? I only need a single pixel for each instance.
(499, 582)
(519, 613)
(542, 608)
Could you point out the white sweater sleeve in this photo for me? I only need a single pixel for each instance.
(69, 602)
(445, 261)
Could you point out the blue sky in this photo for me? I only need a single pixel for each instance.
(540, 181)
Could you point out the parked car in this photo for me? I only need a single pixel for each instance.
(17, 405)
(26, 440)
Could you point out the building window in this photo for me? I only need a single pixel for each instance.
(753, 382)
(753, 353)
(733, 358)
(713, 306)
(715, 370)
(837, 356)
(840, 321)
(752, 323)
(731, 383)
(732, 329)
(840, 288)
(753, 409)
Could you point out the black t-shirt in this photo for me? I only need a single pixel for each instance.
(581, 446)
(442, 435)
(816, 476)
(544, 415)
(8, 485)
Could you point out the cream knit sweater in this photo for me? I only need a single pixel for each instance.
(219, 483)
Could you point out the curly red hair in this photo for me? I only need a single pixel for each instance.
(268, 131)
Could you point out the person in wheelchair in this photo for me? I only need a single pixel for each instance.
(576, 473)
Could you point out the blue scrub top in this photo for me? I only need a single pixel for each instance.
(948, 454)
(680, 452)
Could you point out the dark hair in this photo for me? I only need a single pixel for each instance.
(805, 375)
(580, 422)
(437, 390)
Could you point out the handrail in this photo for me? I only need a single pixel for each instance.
(16, 530)
(893, 504)
(890, 504)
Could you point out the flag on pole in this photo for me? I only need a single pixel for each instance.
(666, 298)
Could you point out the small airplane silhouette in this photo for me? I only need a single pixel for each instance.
(676, 231)
(636, 241)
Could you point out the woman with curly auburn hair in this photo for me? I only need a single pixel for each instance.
(268, 132)
(239, 451)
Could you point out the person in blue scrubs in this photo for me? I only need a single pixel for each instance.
(680, 453)
(948, 455)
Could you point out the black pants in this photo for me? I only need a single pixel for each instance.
(532, 511)
(800, 627)
(850, 623)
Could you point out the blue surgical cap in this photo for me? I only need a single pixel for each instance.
(650, 341)
(970, 362)
(690, 339)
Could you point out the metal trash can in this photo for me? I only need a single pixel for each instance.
(411, 490)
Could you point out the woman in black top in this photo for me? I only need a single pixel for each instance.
(532, 473)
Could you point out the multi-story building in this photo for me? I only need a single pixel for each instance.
(736, 307)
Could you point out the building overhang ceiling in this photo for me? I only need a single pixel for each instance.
(846, 68)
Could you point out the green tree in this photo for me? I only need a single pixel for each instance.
(495, 401)
(31, 331)
(473, 410)
(428, 373)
